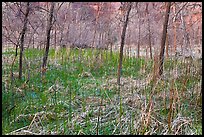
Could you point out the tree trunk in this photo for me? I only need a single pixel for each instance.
(167, 46)
(186, 35)
(129, 6)
(49, 27)
(175, 28)
(150, 46)
(161, 58)
(22, 40)
(55, 44)
(175, 42)
(138, 44)
(33, 41)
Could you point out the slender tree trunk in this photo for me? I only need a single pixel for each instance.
(97, 16)
(110, 43)
(167, 46)
(200, 36)
(22, 40)
(33, 41)
(175, 43)
(150, 46)
(49, 27)
(138, 44)
(129, 6)
(174, 28)
(80, 49)
(186, 35)
(161, 57)
(102, 46)
(55, 44)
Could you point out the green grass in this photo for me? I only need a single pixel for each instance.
(68, 75)
(73, 88)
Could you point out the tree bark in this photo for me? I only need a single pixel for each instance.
(138, 44)
(186, 35)
(150, 45)
(175, 28)
(161, 57)
(22, 39)
(55, 44)
(49, 27)
(129, 6)
(167, 45)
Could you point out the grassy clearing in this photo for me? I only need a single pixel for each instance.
(79, 95)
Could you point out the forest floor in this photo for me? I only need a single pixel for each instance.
(79, 94)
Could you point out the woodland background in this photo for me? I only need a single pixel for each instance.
(101, 67)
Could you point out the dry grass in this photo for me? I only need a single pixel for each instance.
(147, 108)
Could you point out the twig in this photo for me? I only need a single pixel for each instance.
(32, 121)
(17, 130)
(31, 133)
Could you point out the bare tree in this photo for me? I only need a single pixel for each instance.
(161, 57)
(175, 27)
(128, 5)
(49, 27)
(149, 37)
(167, 45)
(138, 43)
(186, 34)
(150, 45)
(22, 39)
(149, 29)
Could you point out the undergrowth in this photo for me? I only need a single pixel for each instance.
(76, 95)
